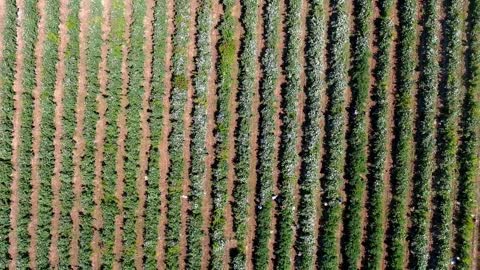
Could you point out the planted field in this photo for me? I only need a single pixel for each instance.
(228, 134)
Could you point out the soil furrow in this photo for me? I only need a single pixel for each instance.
(78, 135)
(100, 137)
(18, 90)
(57, 142)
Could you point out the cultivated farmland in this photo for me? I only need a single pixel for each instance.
(239, 134)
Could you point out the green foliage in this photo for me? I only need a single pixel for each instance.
(446, 173)
(305, 243)
(333, 162)
(425, 138)
(402, 144)
(374, 233)
(198, 149)
(266, 139)
(356, 159)
(246, 85)
(178, 99)
(288, 156)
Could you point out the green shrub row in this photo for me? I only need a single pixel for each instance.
(266, 137)
(468, 152)
(198, 148)
(7, 76)
(178, 98)
(425, 138)
(69, 124)
(246, 85)
(356, 158)
(109, 203)
(333, 162)
(374, 232)
(447, 138)
(288, 155)
(91, 117)
(305, 241)
(50, 58)
(136, 58)
(152, 206)
(225, 83)
(402, 144)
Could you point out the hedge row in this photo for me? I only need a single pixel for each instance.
(110, 209)
(69, 123)
(178, 98)
(90, 118)
(468, 152)
(305, 242)
(333, 162)
(135, 60)
(152, 207)
(288, 154)
(447, 139)
(402, 144)
(425, 138)
(356, 158)
(50, 58)
(198, 150)
(7, 76)
(246, 87)
(30, 26)
(266, 139)
(374, 233)
(225, 83)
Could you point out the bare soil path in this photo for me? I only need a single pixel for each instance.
(145, 143)
(18, 90)
(57, 141)
(78, 136)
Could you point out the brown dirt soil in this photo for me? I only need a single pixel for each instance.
(121, 152)
(145, 143)
(17, 124)
(253, 142)
(57, 142)
(78, 135)
(100, 138)
(164, 158)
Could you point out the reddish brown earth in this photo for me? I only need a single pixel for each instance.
(57, 141)
(100, 129)
(78, 135)
(145, 141)
(121, 152)
(17, 124)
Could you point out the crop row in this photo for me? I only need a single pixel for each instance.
(68, 144)
(356, 165)
(91, 118)
(109, 203)
(333, 163)
(152, 207)
(402, 144)
(310, 172)
(425, 138)
(374, 233)
(445, 174)
(7, 70)
(178, 98)
(288, 154)
(135, 93)
(266, 138)
(468, 152)
(198, 148)
(246, 85)
(225, 83)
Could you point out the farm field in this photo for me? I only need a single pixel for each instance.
(239, 134)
